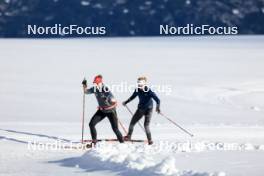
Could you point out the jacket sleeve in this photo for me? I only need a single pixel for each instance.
(155, 97)
(133, 96)
(90, 90)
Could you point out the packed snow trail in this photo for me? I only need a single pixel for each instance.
(203, 155)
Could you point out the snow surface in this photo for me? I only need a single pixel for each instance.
(217, 94)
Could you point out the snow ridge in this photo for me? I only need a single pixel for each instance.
(129, 160)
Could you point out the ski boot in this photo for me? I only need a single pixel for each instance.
(90, 145)
(127, 138)
(150, 142)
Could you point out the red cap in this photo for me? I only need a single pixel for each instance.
(98, 79)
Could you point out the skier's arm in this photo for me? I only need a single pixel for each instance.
(157, 100)
(88, 91)
(133, 96)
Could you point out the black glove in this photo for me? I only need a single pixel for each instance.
(124, 103)
(158, 109)
(84, 82)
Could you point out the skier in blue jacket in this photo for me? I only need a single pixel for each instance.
(145, 107)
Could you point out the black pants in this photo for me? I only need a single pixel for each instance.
(112, 117)
(136, 117)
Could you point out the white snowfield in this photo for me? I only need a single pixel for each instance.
(217, 93)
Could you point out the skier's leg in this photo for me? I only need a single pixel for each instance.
(112, 116)
(136, 117)
(148, 116)
(97, 117)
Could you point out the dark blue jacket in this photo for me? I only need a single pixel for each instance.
(145, 98)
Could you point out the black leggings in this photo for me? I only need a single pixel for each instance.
(112, 117)
(137, 116)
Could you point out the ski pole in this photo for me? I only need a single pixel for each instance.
(124, 129)
(177, 125)
(132, 115)
(83, 114)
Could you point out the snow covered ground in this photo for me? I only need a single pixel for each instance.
(217, 92)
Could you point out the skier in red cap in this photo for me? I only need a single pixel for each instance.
(107, 107)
